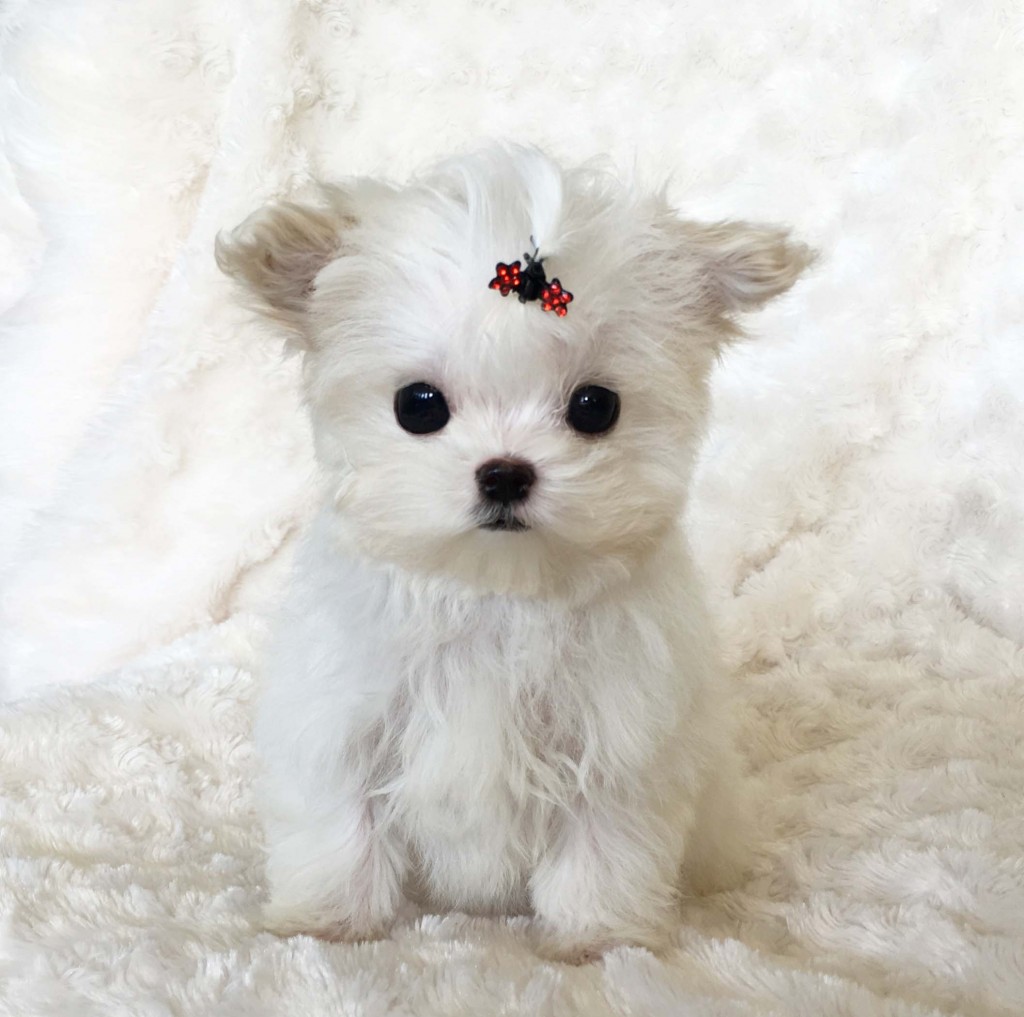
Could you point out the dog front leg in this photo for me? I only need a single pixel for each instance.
(610, 878)
(337, 876)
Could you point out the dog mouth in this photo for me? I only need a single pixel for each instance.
(506, 521)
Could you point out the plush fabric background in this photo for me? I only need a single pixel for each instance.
(859, 511)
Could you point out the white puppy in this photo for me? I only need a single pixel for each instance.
(494, 686)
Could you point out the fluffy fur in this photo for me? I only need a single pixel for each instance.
(499, 720)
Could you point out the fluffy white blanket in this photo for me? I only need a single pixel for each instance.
(859, 512)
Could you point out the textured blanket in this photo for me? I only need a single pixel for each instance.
(859, 510)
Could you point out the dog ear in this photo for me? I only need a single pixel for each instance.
(744, 265)
(279, 250)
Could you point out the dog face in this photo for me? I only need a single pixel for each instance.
(472, 435)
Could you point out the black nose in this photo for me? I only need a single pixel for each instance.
(505, 480)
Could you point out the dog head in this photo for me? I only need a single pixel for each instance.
(481, 437)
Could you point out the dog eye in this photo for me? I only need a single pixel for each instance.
(593, 409)
(420, 408)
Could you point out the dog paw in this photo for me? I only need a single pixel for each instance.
(568, 951)
(588, 946)
(288, 920)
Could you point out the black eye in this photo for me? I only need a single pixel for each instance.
(420, 408)
(593, 409)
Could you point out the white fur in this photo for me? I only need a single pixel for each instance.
(498, 720)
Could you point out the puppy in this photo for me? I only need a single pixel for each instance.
(493, 686)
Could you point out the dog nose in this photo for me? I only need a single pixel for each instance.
(505, 480)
